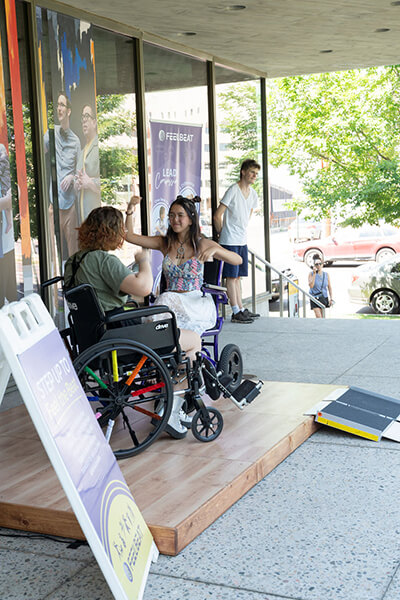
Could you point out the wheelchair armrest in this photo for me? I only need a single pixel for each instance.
(138, 313)
(210, 288)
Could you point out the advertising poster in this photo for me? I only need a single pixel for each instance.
(175, 170)
(83, 460)
(72, 138)
(19, 141)
(8, 284)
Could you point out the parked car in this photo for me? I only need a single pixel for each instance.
(377, 285)
(301, 230)
(370, 242)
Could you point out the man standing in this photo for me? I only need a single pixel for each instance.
(231, 219)
(68, 148)
(87, 182)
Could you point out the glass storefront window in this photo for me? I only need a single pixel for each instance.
(116, 119)
(239, 137)
(19, 258)
(177, 121)
(89, 117)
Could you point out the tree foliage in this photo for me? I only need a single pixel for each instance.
(339, 133)
(116, 131)
(239, 104)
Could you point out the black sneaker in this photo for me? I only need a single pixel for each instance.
(240, 317)
(250, 314)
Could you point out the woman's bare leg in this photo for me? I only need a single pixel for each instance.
(190, 343)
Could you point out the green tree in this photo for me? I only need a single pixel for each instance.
(240, 107)
(118, 163)
(339, 133)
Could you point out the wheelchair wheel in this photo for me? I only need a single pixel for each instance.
(127, 382)
(231, 364)
(207, 424)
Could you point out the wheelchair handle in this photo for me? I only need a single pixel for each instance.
(52, 281)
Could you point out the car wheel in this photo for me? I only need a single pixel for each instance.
(309, 256)
(385, 302)
(383, 254)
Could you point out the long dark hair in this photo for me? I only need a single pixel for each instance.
(194, 232)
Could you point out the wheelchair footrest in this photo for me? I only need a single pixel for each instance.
(246, 392)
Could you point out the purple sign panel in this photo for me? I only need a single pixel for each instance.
(175, 169)
(89, 460)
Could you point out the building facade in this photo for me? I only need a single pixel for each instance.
(90, 115)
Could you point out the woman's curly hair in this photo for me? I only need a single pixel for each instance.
(103, 229)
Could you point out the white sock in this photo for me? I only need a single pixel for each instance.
(235, 309)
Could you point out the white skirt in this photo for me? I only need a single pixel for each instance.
(192, 310)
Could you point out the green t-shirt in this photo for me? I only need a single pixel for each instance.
(105, 272)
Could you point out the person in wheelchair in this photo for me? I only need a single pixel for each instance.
(185, 251)
(102, 231)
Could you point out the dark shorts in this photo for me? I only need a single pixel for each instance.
(235, 271)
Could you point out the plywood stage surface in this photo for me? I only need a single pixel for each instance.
(181, 486)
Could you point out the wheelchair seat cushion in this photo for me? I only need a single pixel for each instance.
(192, 310)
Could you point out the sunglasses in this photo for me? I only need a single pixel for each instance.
(317, 264)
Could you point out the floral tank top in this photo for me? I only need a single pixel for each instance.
(185, 277)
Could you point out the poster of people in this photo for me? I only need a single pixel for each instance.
(71, 138)
(175, 169)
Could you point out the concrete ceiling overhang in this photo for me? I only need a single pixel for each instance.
(275, 37)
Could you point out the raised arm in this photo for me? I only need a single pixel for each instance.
(139, 284)
(152, 242)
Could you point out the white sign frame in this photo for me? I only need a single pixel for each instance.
(24, 324)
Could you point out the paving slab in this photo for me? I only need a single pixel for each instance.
(299, 534)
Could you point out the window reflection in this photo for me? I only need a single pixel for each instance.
(177, 117)
(239, 138)
(19, 261)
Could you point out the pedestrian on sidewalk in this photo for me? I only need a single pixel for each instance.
(231, 220)
(320, 286)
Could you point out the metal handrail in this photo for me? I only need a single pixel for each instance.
(282, 276)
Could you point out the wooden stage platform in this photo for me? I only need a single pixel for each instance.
(181, 486)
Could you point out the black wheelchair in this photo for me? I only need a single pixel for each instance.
(127, 366)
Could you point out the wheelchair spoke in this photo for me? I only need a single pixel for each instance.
(125, 381)
(150, 388)
(131, 431)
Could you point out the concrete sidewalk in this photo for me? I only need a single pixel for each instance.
(324, 525)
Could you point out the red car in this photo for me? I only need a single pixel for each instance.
(369, 242)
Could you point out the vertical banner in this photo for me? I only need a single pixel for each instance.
(8, 283)
(19, 138)
(175, 169)
(32, 349)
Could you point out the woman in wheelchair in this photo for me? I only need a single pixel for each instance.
(103, 231)
(185, 251)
